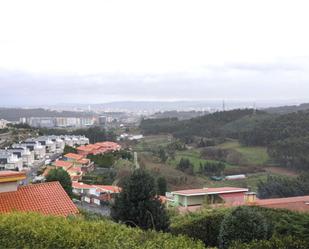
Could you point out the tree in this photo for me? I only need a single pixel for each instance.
(243, 224)
(186, 166)
(161, 185)
(69, 149)
(137, 204)
(162, 155)
(62, 177)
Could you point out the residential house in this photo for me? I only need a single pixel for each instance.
(58, 142)
(197, 197)
(80, 161)
(48, 143)
(98, 148)
(23, 153)
(74, 172)
(38, 148)
(95, 194)
(10, 161)
(28, 156)
(45, 198)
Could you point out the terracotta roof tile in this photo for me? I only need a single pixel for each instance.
(63, 164)
(73, 156)
(46, 198)
(11, 176)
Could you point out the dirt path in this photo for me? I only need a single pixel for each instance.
(281, 171)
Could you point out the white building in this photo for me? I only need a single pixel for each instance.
(48, 143)
(59, 143)
(10, 161)
(3, 123)
(38, 148)
(24, 153)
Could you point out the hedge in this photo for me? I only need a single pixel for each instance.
(35, 231)
(204, 226)
(288, 242)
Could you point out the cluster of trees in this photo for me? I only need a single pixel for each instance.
(208, 126)
(185, 166)
(212, 168)
(286, 137)
(279, 187)
(107, 160)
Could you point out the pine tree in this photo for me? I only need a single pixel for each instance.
(137, 204)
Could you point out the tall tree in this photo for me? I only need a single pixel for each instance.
(137, 204)
(62, 177)
(161, 185)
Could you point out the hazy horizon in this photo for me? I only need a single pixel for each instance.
(56, 52)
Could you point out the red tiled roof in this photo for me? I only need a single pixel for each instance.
(46, 198)
(83, 161)
(73, 156)
(63, 164)
(299, 203)
(205, 191)
(107, 188)
(80, 185)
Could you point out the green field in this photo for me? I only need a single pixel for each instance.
(194, 156)
(252, 155)
(149, 143)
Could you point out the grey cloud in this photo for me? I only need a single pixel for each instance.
(282, 80)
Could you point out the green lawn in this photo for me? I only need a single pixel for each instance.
(254, 155)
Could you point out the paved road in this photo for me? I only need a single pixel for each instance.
(32, 172)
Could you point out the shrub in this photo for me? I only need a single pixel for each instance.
(243, 224)
(204, 226)
(21, 230)
(274, 243)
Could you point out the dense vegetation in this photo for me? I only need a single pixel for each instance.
(14, 114)
(207, 225)
(243, 224)
(279, 187)
(39, 232)
(212, 125)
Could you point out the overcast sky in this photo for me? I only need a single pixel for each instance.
(97, 51)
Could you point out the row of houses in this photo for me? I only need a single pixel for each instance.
(95, 194)
(76, 165)
(98, 148)
(25, 153)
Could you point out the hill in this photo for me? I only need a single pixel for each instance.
(14, 114)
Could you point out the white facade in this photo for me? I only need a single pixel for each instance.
(10, 161)
(3, 123)
(26, 155)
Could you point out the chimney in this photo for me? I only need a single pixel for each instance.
(10, 180)
(250, 197)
